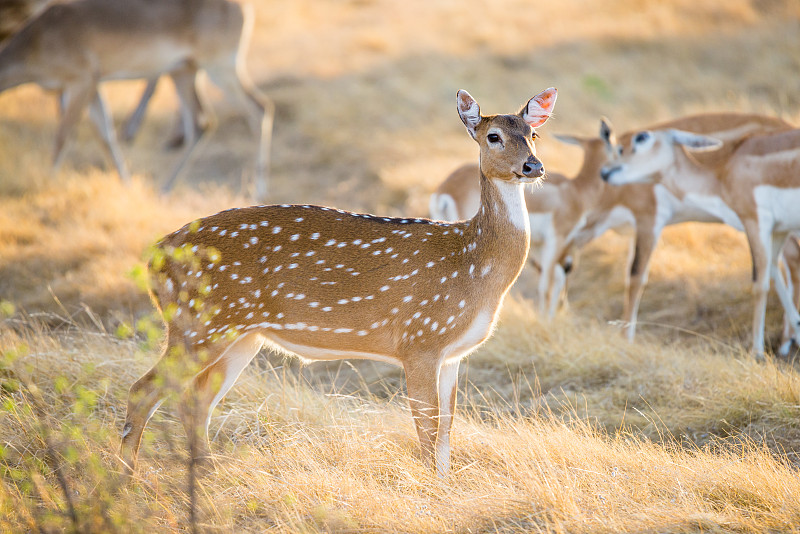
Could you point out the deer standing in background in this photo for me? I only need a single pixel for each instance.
(324, 284)
(755, 186)
(578, 210)
(72, 47)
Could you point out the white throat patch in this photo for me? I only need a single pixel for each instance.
(514, 200)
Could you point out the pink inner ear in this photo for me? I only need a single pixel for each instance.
(537, 114)
(547, 99)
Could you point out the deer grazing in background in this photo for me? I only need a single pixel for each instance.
(324, 284)
(754, 186)
(72, 47)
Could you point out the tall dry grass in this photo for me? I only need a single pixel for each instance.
(561, 427)
(293, 458)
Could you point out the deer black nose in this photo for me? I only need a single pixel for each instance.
(606, 172)
(533, 167)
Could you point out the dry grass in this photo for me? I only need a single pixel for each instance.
(562, 427)
(291, 458)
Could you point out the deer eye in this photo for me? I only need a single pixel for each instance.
(493, 138)
(641, 137)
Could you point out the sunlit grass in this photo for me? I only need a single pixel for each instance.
(292, 458)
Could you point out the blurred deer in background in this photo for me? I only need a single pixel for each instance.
(751, 182)
(575, 211)
(72, 47)
(324, 284)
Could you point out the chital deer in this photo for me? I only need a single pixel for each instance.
(457, 198)
(755, 188)
(324, 284)
(72, 47)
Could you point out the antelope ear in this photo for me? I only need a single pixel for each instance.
(695, 142)
(607, 132)
(469, 111)
(539, 108)
(569, 139)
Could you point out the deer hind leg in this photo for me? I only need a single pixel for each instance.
(232, 78)
(448, 388)
(74, 99)
(565, 266)
(791, 315)
(791, 263)
(134, 122)
(760, 241)
(209, 387)
(105, 129)
(638, 268)
(423, 398)
(196, 118)
(547, 276)
(557, 290)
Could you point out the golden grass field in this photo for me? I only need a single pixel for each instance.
(562, 427)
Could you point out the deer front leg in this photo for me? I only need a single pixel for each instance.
(760, 241)
(134, 122)
(193, 109)
(639, 266)
(423, 397)
(146, 395)
(105, 129)
(74, 99)
(448, 388)
(209, 387)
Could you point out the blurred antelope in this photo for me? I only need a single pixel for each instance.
(577, 210)
(324, 284)
(72, 47)
(755, 186)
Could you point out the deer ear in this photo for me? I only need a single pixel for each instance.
(607, 131)
(695, 142)
(568, 139)
(539, 108)
(469, 111)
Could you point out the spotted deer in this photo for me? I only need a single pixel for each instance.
(324, 283)
(72, 46)
(755, 186)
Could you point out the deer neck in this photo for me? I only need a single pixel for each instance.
(690, 177)
(500, 231)
(588, 181)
